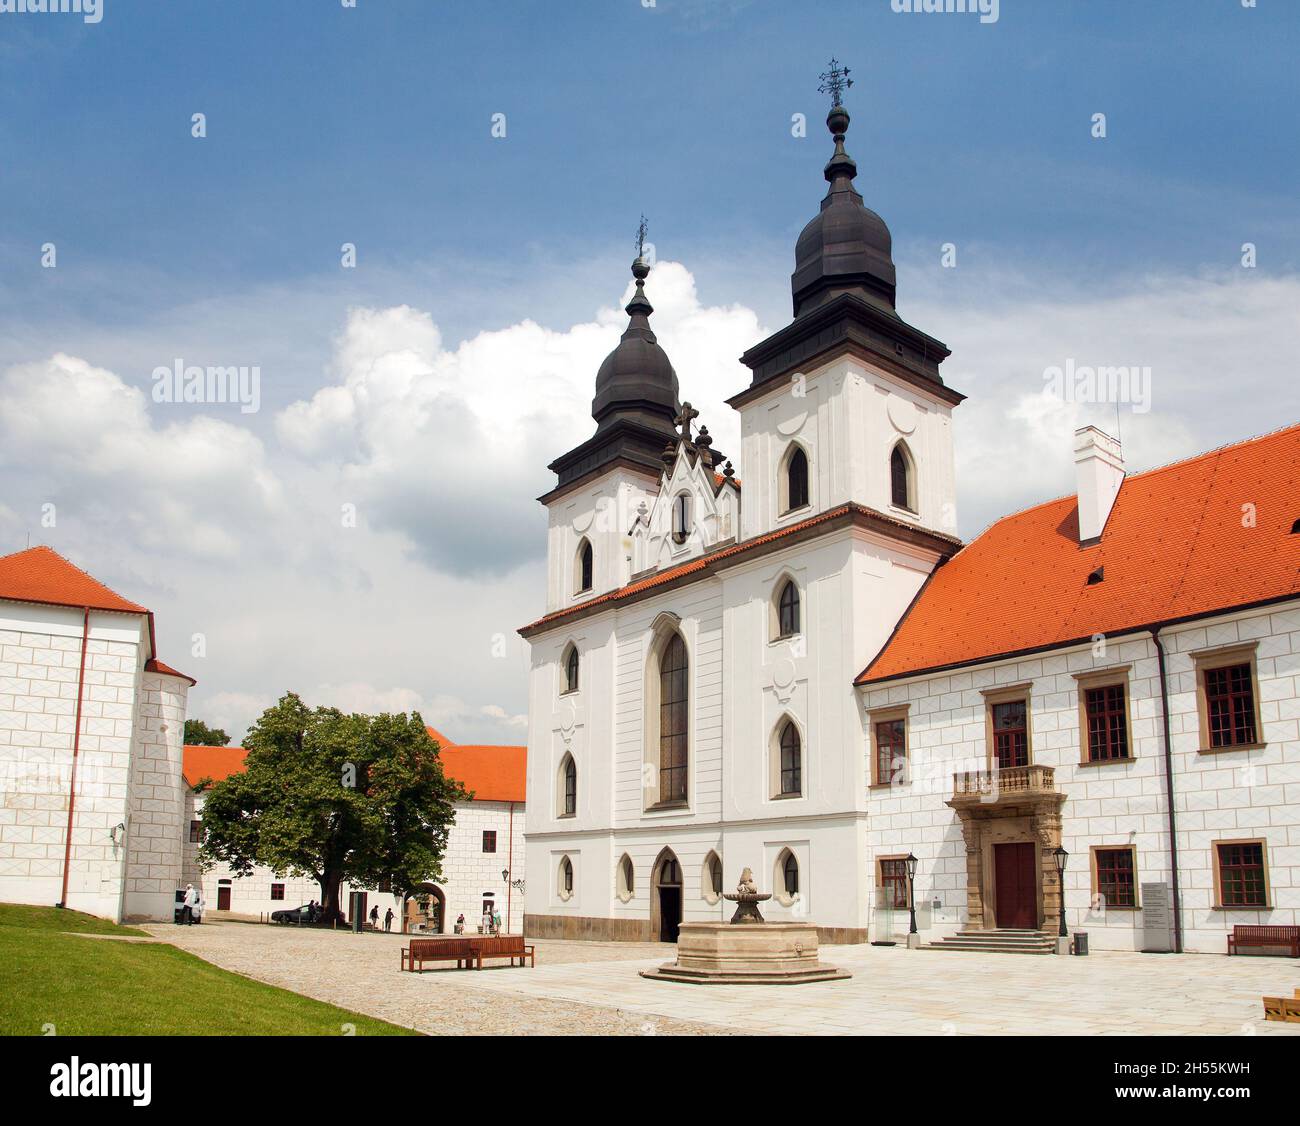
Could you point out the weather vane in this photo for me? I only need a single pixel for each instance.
(834, 82)
(640, 238)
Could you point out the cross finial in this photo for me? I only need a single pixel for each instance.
(684, 420)
(641, 232)
(834, 82)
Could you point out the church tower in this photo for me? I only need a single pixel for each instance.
(603, 482)
(846, 403)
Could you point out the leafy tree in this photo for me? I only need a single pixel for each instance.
(199, 734)
(334, 797)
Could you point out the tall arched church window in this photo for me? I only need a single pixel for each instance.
(569, 796)
(572, 669)
(796, 480)
(900, 479)
(585, 560)
(673, 707)
(791, 760)
(787, 610)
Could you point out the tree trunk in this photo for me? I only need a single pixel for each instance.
(331, 909)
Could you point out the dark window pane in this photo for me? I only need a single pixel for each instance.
(893, 878)
(791, 760)
(891, 751)
(788, 610)
(898, 478)
(1115, 877)
(1230, 706)
(1107, 729)
(797, 480)
(673, 702)
(1241, 875)
(1010, 734)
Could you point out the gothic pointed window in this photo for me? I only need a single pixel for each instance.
(796, 480)
(572, 669)
(901, 490)
(787, 610)
(791, 761)
(566, 878)
(584, 567)
(681, 517)
(673, 707)
(568, 787)
(787, 878)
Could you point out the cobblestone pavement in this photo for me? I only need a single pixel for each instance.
(361, 973)
(593, 988)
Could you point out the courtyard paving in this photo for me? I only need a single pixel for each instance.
(590, 988)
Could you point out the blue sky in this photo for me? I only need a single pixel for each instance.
(463, 346)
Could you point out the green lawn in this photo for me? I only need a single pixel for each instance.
(99, 987)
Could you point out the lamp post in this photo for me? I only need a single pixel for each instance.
(911, 863)
(1061, 856)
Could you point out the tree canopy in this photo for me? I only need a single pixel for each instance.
(199, 734)
(334, 797)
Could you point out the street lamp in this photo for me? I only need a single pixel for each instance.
(1061, 856)
(911, 890)
(505, 875)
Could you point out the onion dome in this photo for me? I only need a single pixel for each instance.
(636, 379)
(847, 247)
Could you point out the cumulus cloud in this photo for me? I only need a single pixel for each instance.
(230, 530)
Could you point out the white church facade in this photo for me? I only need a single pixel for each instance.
(806, 673)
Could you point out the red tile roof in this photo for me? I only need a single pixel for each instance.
(216, 763)
(40, 574)
(1205, 535)
(490, 773)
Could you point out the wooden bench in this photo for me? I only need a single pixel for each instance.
(1264, 936)
(467, 950)
(1283, 1008)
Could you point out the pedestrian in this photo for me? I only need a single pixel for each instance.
(388, 920)
(187, 908)
(460, 923)
(485, 923)
(374, 917)
(496, 921)
(200, 906)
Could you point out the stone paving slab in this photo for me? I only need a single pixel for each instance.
(594, 988)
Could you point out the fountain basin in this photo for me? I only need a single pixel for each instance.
(763, 953)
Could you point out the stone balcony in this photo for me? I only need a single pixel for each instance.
(1004, 788)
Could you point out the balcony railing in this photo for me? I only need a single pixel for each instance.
(1010, 783)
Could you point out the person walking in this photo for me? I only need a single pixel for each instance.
(187, 905)
(388, 920)
(374, 917)
(485, 923)
(496, 921)
(460, 924)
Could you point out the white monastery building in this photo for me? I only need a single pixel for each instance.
(482, 868)
(91, 723)
(809, 675)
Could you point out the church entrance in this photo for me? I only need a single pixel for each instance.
(666, 897)
(1016, 892)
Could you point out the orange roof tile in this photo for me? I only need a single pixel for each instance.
(490, 773)
(1178, 545)
(41, 574)
(216, 763)
(152, 665)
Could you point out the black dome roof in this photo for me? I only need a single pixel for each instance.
(846, 247)
(637, 378)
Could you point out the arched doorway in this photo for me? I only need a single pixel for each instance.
(665, 897)
(425, 910)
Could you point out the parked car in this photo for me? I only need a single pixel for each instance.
(297, 915)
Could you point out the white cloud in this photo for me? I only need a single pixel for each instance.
(231, 529)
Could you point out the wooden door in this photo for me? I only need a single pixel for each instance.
(223, 899)
(1017, 890)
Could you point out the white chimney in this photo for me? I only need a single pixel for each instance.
(1099, 468)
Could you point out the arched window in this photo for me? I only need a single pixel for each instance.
(673, 706)
(901, 490)
(796, 480)
(584, 566)
(787, 610)
(626, 878)
(681, 517)
(566, 877)
(568, 787)
(791, 760)
(711, 878)
(571, 669)
(787, 877)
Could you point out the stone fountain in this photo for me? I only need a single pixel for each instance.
(749, 950)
